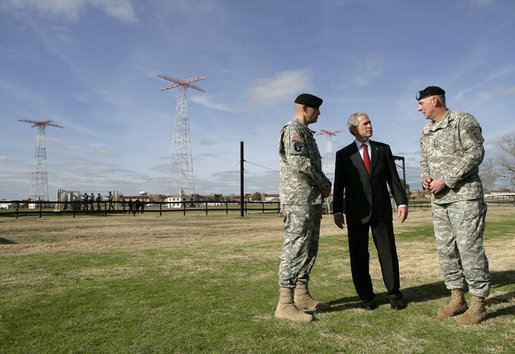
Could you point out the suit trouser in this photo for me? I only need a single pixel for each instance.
(384, 241)
(301, 234)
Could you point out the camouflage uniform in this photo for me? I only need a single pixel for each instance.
(301, 185)
(452, 149)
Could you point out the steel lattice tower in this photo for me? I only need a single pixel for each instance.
(329, 156)
(181, 171)
(39, 181)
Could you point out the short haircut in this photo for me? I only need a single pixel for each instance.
(354, 121)
(441, 98)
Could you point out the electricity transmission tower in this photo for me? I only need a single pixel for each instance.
(39, 181)
(181, 172)
(329, 156)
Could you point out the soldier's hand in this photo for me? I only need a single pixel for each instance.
(426, 182)
(339, 220)
(327, 191)
(437, 185)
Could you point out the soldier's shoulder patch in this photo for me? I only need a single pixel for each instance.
(298, 138)
(475, 134)
(298, 148)
(473, 129)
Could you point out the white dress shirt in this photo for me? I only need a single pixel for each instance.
(359, 144)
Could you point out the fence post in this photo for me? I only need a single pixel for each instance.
(40, 208)
(226, 208)
(17, 209)
(206, 208)
(160, 208)
(184, 207)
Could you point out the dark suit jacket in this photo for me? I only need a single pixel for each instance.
(361, 196)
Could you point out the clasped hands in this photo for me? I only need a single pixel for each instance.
(433, 186)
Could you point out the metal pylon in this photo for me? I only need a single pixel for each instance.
(329, 156)
(181, 168)
(181, 176)
(39, 181)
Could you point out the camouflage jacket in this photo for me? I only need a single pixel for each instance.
(302, 179)
(452, 149)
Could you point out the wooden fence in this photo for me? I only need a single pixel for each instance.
(105, 208)
(73, 208)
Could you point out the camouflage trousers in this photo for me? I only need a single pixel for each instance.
(459, 230)
(301, 234)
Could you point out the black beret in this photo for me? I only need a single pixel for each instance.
(429, 91)
(309, 100)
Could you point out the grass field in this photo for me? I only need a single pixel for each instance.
(209, 283)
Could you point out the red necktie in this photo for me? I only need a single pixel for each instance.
(366, 160)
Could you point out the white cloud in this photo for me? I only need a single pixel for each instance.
(281, 88)
(80, 97)
(205, 101)
(367, 70)
(481, 3)
(503, 91)
(7, 159)
(72, 10)
(105, 153)
(502, 72)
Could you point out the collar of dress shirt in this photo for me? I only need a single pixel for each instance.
(359, 143)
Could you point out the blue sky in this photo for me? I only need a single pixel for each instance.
(92, 65)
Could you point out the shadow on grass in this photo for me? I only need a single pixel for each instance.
(437, 290)
(4, 241)
(501, 299)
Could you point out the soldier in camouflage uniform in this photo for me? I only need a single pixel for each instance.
(451, 152)
(303, 186)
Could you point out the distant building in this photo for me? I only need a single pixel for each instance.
(417, 194)
(237, 198)
(178, 201)
(6, 205)
(270, 197)
(144, 198)
(212, 199)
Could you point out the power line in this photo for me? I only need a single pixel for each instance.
(266, 168)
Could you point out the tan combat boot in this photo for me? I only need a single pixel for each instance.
(305, 302)
(456, 306)
(475, 314)
(286, 309)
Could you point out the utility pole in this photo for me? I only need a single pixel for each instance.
(401, 158)
(242, 180)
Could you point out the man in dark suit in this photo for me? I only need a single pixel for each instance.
(363, 170)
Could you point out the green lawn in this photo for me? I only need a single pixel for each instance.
(209, 283)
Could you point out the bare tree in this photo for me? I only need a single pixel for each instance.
(489, 173)
(507, 159)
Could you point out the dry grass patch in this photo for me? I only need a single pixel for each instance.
(127, 233)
